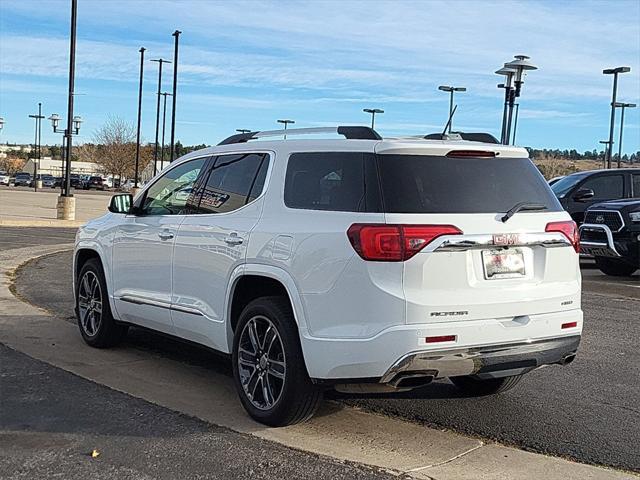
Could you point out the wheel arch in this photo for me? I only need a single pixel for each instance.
(273, 280)
(87, 251)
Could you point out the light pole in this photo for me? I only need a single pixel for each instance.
(622, 106)
(373, 112)
(451, 90)
(614, 72)
(155, 150)
(242, 130)
(604, 153)
(286, 122)
(164, 123)
(135, 178)
(508, 91)
(175, 34)
(515, 123)
(36, 144)
(2, 122)
(519, 65)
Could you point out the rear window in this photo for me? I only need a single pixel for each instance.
(429, 184)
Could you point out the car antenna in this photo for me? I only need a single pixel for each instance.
(449, 121)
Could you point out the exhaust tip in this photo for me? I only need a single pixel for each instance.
(411, 380)
(567, 359)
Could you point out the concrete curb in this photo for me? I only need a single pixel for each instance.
(41, 223)
(341, 432)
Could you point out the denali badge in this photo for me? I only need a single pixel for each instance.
(449, 314)
(506, 239)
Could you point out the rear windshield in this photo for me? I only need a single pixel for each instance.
(429, 184)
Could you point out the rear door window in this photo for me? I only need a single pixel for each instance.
(334, 181)
(233, 181)
(431, 184)
(605, 187)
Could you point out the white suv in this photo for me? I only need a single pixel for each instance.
(361, 264)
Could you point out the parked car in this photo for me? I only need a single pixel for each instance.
(95, 182)
(75, 180)
(611, 234)
(4, 178)
(579, 191)
(23, 179)
(360, 264)
(555, 179)
(47, 180)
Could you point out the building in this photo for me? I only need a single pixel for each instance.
(49, 166)
(14, 149)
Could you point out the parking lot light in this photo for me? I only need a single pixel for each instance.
(622, 106)
(614, 72)
(373, 112)
(242, 130)
(2, 122)
(286, 122)
(508, 73)
(520, 65)
(451, 91)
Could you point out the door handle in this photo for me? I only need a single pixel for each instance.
(165, 235)
(233, 239)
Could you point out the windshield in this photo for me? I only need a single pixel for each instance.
(564, 185)
(430, 184)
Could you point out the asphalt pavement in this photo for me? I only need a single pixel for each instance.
(587, 411)
(51, 421)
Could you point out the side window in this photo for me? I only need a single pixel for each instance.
(233, 182)
(635, 182)
(171, 192)
(607, 187)
(336, 181)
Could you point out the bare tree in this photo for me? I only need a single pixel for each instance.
(115, 148)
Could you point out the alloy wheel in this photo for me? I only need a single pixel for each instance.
(90, 303)
(261, 362)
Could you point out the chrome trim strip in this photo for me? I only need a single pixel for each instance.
(487, 360)
(460, 243)
(597, 226)
(155, 303)
(622, 223)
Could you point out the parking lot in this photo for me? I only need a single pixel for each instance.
(587, 411)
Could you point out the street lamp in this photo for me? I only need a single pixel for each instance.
(373, 112)
(66, 159)
(36, 144)
(622, 106)
(508, 91)
(155, 150)
(135, 177)
(614, 72)
(164, 123)
(2, 122)
(520, 65)
(174, 95)
(286, 122)
(604, 154)
(451, 90)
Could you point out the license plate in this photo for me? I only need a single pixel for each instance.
(597, 251)
(503, 263)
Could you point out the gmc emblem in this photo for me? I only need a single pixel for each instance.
(506, 239)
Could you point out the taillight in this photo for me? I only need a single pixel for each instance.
(569, 229)
(394, 243)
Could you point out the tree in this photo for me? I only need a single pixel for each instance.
(12, 165)
(114, 148)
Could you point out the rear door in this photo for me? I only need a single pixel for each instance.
(491, 268)
(212, 241)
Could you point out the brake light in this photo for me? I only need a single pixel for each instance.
(394, 243)
(569, 229)
(471, 154)
(570, 325)
(440, 338)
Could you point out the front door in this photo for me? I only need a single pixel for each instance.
(212, 243)
(143, 248)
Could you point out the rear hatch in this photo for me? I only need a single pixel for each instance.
(463, 262)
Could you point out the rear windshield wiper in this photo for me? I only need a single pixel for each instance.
(522, 206)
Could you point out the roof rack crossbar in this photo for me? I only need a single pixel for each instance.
(349, 132)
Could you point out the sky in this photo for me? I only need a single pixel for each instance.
(244, 64)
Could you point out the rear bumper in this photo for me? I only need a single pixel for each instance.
(487, 361)
(479, 344)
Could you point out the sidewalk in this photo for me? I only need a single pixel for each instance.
(22, 208)
(343, 433)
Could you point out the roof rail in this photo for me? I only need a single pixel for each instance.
(471, 137)
(349, 132)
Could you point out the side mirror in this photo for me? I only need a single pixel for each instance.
(121, 203)
(583, 194)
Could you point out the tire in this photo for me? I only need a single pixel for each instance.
(272, 383)
(474, 387)
(615, 267)
(97, 326)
